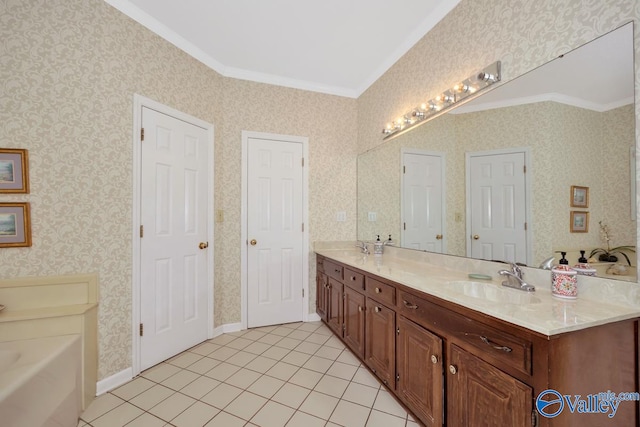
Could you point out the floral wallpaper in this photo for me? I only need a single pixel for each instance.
(68, 72)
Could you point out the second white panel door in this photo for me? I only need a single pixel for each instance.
(274, 230)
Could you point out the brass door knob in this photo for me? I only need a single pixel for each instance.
(434, 359)
(253, 242)
(203, 245)
(438, 236)
(476, 237)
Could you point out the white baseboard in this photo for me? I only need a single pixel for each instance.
(225, 329)
(114, 381)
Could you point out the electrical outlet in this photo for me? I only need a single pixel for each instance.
(219, 215)
(373, 217)
(341, 216)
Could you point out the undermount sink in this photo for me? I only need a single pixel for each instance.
(492, 292)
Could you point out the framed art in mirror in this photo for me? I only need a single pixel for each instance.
(579, 222)
(579, 197)
(14, 170)
(15, 225)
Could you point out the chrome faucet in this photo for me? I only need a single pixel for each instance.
(363, 246)
(515, 279)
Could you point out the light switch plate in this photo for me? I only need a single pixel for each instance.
(373, 217)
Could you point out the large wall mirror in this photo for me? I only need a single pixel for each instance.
(548, 156)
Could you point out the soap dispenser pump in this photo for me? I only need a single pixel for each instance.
(563, 260)
(378, 246)
(582, 259)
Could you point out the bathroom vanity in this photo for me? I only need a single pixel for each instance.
(459, 352)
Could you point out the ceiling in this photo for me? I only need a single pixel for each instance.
(337, 47)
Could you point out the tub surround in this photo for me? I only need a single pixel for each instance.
(41, 307)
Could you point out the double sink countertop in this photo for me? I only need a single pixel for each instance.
(446, 277)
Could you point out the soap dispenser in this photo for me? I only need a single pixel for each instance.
(378, 246)
(563, 260)
(582, 259)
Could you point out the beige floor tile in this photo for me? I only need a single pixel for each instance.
(203, 365)
(257, 348)
(196, 415)
(246, 405)
(254, 335)
(152, 397)
(100, 406)
(299, 335)
(118, 416)
(242, 358)
(342, 370)
(332, 386)
(133, 388)
(222, 395)
(347, 357)
(310, 326)
(363, 376)
(324, 330)
(382, 419)
(350, 414)
(266, 386)
(147, 420)
(291, 395)
(317, 338)
(223, 353)
(185, 359)
(386, 403)
(272, 414)
(287, 342)
(281, 331)
(180, 380)
(266, 329)
(335, 342)
(226, 420)
(360, 394)
(239, 343)
(307, 347)
(172, 406)
(81, 423)
(282, 371)
(222, 371)
(201, 386)
(412, 424)
(205, 348)
(276, 353)
(293, 325)
(318, 364)
(261, 364)
(328, 353)
(319, 404)
(296, 358)
(300, 419)
(243, 378)
(306, 378)
(270, 339)
(160, 372)
(223, 339)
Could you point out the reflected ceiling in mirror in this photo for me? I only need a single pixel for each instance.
(573, 118)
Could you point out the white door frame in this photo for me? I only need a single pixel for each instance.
(246, 135)
(443, 190)
(527, 188)
(138, 103)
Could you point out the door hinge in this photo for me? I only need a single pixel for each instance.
(344, 327)
(141, 231)
(397, 377)
(404, 225)
(141, 134)
(404, 169)
(141, 329)
(534, 418)
(397, 331)
(524, 168)
(303, 227)
(303, 293)
(303, 162)
(525, 226)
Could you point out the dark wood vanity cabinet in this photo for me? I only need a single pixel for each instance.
(322, 295)
(453, 366)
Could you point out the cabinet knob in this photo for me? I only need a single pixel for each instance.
(353, 278)
(378, 290)
(453, 369)
(360, 308)
(434, 359)
(377, 309)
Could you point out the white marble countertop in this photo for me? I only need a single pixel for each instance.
(538, 311)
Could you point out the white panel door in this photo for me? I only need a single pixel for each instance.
(497, 210)
(422, 202)
(274, 230)
(173, 293)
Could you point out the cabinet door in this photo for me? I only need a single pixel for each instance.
(420, 374)
(380, 341)
(334, 316)
(354, 320)
(322, 295)
(482, 395)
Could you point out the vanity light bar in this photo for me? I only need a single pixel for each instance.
(463, 90)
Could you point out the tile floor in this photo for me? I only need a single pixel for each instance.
(294, 375)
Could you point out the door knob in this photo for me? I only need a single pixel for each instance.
(203, 245)
(453, 369)
(476, 237)
(434, 359)
(438, 236)
(253, 242)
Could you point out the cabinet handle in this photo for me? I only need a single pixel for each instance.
(353, 278)
(434, 359)
(487, 341)
(378, 290)
(409, 305)
(453, 369)
(360, 309)
(377, 309)
(337, 270)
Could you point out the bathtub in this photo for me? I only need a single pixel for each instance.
(40, 382)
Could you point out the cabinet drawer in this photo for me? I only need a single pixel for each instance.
(379, 291)
(353, 279)
(332, 269)
(498, 345)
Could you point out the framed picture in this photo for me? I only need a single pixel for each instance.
(14, 170)
(15, 225)
(579, 197)
(579, 222)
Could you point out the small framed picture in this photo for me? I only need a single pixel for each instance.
(579, 197)
(579, 222)
(15, 225)
(14, 170)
